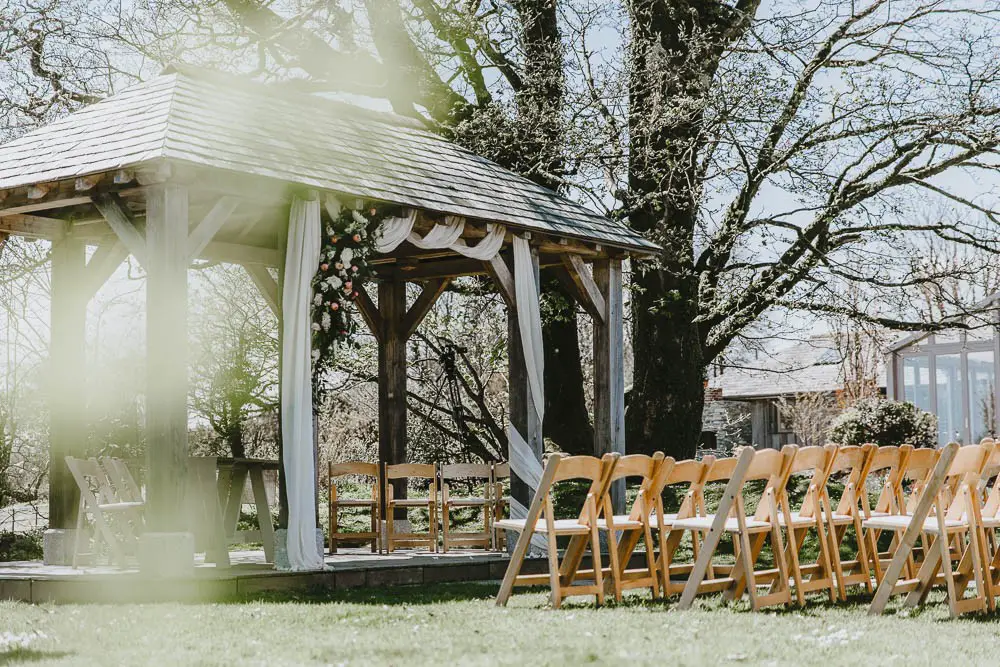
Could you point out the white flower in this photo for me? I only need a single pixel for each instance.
(360, 219)
(315, 355)
(334, 282)
(315, 327)
(318, 300)
(347, 255)
(326, 321)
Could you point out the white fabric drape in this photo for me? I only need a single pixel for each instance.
(301, 259)
(440, 236)
(394, 231)
(488, 246)
(529, 321)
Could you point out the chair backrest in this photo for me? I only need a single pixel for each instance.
(649, 469)
(121, 479)
(92, 481)
(774, 466)
(501, 471)
(411, 471)
(816, 460)
(595, 470)
(917, 466)
(358, 468)
(888, 462)
(466, 471)
(693, 473)
(852, 461)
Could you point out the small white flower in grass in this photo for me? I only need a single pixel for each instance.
(11, 642)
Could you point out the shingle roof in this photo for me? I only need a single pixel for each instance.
(228, 123)
(808, 366)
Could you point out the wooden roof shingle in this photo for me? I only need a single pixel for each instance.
(230, 124)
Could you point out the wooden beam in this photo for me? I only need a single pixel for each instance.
(266, 285)
(167, 360)
(32, 226)
(43, 205)
(67, 354)
(121, 222)
(235, 253)
(609, 370)
(206, 230)
(415, 315)
(504, 280)
(369, 312)
(392, 380)
(103, 263)
(584, 288)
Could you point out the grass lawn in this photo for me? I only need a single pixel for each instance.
(458, 624)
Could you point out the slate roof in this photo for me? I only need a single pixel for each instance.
(229, 123)
(813, 365)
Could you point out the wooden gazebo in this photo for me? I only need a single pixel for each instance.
(193, 165)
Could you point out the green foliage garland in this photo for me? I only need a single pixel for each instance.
(348, 243)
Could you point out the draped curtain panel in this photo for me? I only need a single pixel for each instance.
(301, 259)
(394, 231)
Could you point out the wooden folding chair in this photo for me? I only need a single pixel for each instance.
(651, 470)
(372, 504)
(482, 474)
(501, 503)
(99, 499)
(851, 463)
(816, 462)
(730, 517)
(948, 510)
(885, 466)
(429, 502)
(562, 577)
(692, 473)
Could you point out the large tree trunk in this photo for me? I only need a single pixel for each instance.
(675, 50)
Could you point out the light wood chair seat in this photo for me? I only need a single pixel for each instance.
(560, 526)
(357, 502)
(468, 502)
(732, 525)
(797, 519)
(620, 521)
(668, 518)
(902, 521)
(411, 502)
(119, 507)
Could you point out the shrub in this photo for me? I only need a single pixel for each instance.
(884, 423)
(21, 546)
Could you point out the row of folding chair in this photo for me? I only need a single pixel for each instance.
(922, 494)
(440, 502)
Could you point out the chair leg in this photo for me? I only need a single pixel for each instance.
(389, 528)
(647, 534)
(748, 574)
(553, 555)
(595, 551)
(444, 527)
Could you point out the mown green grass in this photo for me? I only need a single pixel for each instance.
(459, 624)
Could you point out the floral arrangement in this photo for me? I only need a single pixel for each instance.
(348, 242)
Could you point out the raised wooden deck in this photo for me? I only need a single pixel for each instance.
(32, 581)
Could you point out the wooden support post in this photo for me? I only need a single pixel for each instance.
(392, 380)
(523, 415)
(282, 244)
(609, 371)
(166, 248)
(67, 381)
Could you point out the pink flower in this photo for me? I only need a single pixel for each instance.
(357, 238)
(334, 306)
(349, 285)
(324, 266)
(338, 266)
(354, 268)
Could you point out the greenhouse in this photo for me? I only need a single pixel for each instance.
(963, 393)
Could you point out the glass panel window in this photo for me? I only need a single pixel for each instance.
(949, 336)
(982, 405)
(949, 397)
(917, 382)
